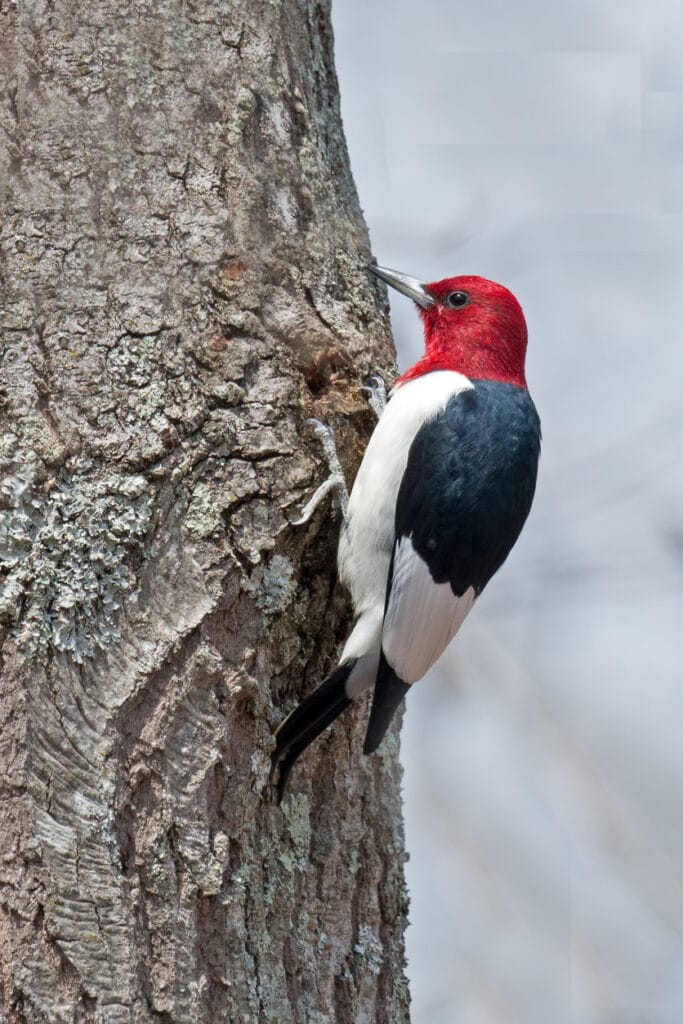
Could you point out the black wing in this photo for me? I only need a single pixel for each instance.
(469, 484)
(464, 498)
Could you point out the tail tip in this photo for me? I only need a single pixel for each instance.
(390, 690)
(371, 744)
(305, 723)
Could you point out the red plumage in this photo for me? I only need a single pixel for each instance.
(484, 340)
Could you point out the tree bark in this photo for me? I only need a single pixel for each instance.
(182, 284)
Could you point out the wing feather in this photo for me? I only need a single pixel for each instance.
(421, 617)
(464, 496)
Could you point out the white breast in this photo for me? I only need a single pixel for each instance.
(367, 539)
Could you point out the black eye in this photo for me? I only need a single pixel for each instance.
(454, 300)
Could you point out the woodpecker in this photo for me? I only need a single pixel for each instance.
(441, 496)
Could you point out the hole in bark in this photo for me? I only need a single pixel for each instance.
(317, 375)
(321, 369)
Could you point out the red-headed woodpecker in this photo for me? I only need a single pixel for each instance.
(440, 498)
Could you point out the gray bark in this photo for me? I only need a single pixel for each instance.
(182, 285)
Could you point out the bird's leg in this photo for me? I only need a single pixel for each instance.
(376, 390)
(335, 481)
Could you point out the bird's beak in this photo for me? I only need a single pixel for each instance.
(405, 284)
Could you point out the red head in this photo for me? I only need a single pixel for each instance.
(472, 325)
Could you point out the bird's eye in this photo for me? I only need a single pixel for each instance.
(456, 299)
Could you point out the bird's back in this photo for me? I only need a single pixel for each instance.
(469, 483)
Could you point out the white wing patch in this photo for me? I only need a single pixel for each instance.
(422, 616)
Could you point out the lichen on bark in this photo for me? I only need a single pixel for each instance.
(182, 284)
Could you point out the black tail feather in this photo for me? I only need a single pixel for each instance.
(306, 722)
(389, 692)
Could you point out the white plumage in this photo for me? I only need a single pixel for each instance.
(422, 616)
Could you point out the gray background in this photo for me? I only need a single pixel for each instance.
(542, 145)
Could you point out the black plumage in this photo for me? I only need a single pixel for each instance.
(469, 483)
(464, 498)
(311, 717)
(388, 693)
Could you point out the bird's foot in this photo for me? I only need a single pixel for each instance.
(335, 481)
(376, 390)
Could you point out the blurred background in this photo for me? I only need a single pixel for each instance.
(542, 145)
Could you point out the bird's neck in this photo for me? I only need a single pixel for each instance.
(479, 354)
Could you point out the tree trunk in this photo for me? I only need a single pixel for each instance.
(183, 284)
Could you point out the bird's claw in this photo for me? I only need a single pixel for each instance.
(335, 481)
(376, 390)
(320, 428)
